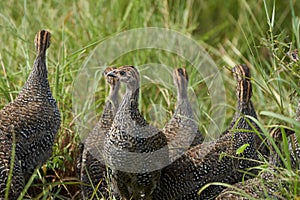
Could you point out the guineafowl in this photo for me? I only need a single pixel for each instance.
(244, 104)
(134, 150)
(182, 129)
(33, 116)
(266, 185)
(93, 169)
(215, 161)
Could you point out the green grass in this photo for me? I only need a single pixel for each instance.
(258, 33)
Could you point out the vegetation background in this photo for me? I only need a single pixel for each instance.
(258, 33)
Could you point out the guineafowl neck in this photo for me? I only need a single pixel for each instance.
(183, 107)
(113, 94)
(182, 93)
(112, 101)
(274, 158)
(241, 111)
(39, 70)
(244, 103)
(37, 83)
(246, 109)
(129, 104)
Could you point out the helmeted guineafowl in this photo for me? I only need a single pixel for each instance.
(135, 151)
(93, 172)
(182, 129)
(215, 161)
(33, 116)
(244, 104)
(267, 184)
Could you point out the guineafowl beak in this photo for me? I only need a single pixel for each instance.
(112, 74)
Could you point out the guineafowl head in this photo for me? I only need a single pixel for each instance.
(112, 81)
(242, 75)
(180, 78)
(276, 133)
(241, 72)
(42, 42)
(128, 75)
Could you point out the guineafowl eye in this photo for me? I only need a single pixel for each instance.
(122, 73)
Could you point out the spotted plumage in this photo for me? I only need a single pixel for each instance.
(6, 154)
(266, 185)
(135, 151)
(33, 116)
(214, 161)
(182, 130)
(93, 173)
(244, 107)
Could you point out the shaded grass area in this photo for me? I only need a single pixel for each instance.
(258, 33)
